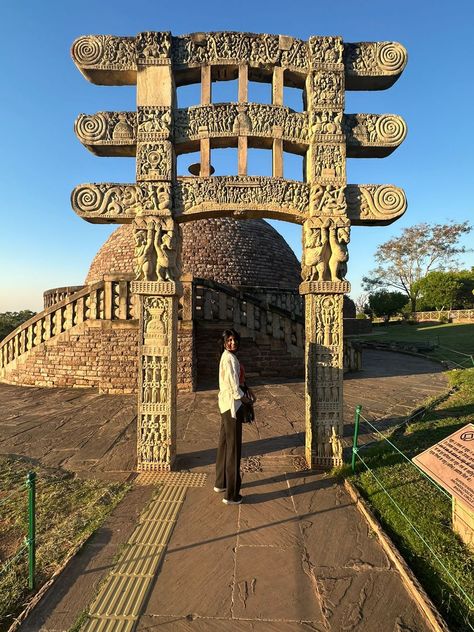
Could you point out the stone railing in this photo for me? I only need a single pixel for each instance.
(213, 301)
(109, 299)
(273, 312)
(261, 311)
(454, 314)
(53, 296)
(286, 299)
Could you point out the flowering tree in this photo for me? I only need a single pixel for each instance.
(420, 249)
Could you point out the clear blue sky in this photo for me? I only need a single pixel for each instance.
(43, 244)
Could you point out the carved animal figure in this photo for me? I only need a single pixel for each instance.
(338, 240)
(315, 254)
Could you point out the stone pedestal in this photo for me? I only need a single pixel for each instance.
(324, 372)
(156, 433)
(463, 522)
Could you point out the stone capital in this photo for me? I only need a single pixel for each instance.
(324, 287)
(157, 288)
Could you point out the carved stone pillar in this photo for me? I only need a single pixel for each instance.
(157, 256)
(324, 264)
(156, 435)
(324, 372)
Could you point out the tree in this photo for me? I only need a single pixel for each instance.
(465, 297)
(361, 303)
(420, 249)
(11, 320)
(385, 304)
(439, 290)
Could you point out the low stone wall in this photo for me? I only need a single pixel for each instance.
(357, 326)
(457, 315)
(96, 353)
(53, 296)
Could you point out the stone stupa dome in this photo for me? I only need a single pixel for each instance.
(233, 252)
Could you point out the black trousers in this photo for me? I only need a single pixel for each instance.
(229, 451)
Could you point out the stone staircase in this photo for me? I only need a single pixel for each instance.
(90, 337)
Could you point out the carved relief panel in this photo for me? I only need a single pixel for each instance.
(324, 374)
(155, 161)
(157, 249)
(157, 413)
(325, 252)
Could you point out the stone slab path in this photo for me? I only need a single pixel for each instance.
(95, 435)
(297, 555)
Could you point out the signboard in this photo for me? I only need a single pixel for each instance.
(450, 463)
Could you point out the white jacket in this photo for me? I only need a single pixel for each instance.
(230, 392)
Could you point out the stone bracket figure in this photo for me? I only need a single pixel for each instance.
(325, 252)
(157, 249)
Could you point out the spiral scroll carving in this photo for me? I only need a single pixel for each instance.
(391, 129)
(391, 57)
(86, 199)
(369, 203)
(88, 50)
(389, 201)
(91, 128)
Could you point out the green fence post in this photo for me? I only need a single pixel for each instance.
(356, 434)
(31, 484)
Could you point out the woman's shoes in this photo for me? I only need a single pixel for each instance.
(232, 502)
(219, 489)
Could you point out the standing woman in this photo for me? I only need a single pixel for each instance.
(231, 401)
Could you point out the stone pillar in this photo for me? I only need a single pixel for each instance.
(157, 256)
(156, 433)
(324, 262)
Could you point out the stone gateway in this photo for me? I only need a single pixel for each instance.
(160, 202)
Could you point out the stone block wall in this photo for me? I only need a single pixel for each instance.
(96, 353)
(261, 355)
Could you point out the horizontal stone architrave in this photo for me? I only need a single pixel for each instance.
(112, 60)
(366, 135)
(235, 196)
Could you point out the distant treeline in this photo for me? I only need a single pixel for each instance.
(11, 320)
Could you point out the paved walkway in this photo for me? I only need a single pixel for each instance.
(297, 555)
(95, 435)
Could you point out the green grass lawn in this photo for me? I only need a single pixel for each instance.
(454, 342)
(424, 505)
(68, 511)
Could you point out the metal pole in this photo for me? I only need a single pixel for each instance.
(356, 434)
(31, 484)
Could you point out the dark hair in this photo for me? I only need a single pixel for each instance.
(226, 334)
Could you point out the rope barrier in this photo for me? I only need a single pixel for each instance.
(407, 459)
(7, 498)
(468, 355)
(6, 566)
(415, 530)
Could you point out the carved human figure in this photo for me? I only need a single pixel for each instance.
(336, 445)
(144, 254)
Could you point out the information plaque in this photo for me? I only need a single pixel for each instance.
(450, 463)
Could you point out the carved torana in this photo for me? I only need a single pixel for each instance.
(120, 203)
(116, 133)
(367, 65)
(323, 68)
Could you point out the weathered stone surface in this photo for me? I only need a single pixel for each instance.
(320, 66)
(296, 534)
(116, 133)
(109, 60)
(226, 250)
